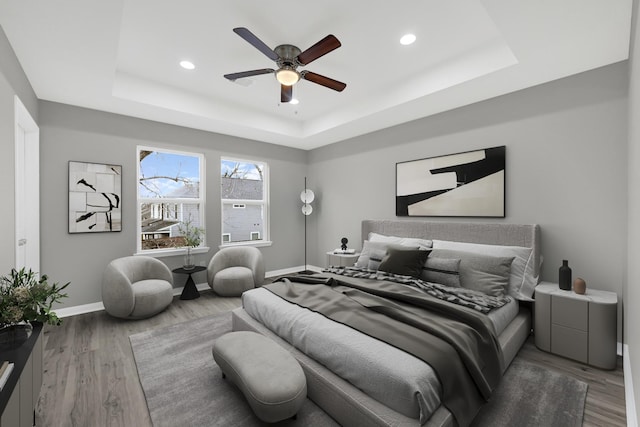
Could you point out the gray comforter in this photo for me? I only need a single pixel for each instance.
(458, 342)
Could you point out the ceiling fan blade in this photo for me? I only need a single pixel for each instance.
(256, 42)
(319, 49)
(235, 76)
(323, 81)
(286, 93)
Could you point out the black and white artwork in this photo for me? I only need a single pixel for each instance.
(95, 192)
(463, 184)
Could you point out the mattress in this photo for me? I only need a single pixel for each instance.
(396, 379)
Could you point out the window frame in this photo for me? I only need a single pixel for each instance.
(201, 201)
(265, 203)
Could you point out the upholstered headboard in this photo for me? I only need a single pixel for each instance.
(527, 235)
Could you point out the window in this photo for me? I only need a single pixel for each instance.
(245, 201)
(170, 193)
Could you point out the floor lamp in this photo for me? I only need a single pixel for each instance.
(307, 197)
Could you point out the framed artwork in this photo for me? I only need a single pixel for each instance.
(95, 192)
(470, 184)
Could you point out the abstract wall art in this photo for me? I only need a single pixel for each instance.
(95, 197)
(470, 184)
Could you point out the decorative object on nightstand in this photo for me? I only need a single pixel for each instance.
(565, 276)
(307, 197)
(579, 327)
(579, 286)
(343, 250)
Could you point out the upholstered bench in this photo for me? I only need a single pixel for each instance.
(270, 378)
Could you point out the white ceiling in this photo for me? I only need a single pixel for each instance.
(122, 56)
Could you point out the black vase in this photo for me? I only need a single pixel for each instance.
(565, 276)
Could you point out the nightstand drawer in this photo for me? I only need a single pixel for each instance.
(571, 313)
(570, 343)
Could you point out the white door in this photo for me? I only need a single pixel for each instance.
(27, 195)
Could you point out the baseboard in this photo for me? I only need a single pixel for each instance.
(79, 309)
(292, 270)
(98, 306)
(629, 395)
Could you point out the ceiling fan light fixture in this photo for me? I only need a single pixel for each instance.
(187, 65)
(287, 76)
(407, 39)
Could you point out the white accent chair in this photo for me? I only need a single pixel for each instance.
(236, 269)
(136, 287)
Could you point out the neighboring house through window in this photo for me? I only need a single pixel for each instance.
(245, 201)
(170, 191)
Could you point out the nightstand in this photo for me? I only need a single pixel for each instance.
(579, 327)
(341, 260)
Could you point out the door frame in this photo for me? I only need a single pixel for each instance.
(27, 158)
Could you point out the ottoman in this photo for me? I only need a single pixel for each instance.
(269, 377)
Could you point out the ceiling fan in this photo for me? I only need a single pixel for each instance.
(289, 58)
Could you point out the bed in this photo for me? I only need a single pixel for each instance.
(360, 380)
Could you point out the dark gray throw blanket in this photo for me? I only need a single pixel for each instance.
(467, 297)
(457, 342)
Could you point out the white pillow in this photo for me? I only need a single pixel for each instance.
(404, 241)
(522, 280)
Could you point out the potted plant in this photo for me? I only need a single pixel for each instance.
(26, 297)
(192, 237)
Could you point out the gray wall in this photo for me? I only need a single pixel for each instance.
(632, 289)
(566, 170)
(12, 82)
(72, 133)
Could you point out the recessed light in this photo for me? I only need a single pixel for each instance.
(294, 101)
(407, 39)
(187, 65)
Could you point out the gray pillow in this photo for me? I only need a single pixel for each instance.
(373, 252)
(445, 271)
(484, 273)
(363, 259)
(404, 262)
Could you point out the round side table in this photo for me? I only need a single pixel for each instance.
(189, 291)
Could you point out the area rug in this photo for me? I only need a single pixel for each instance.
(183, 386)
(532, 396)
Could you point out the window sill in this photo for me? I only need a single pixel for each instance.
(160, 253)
(254, 243)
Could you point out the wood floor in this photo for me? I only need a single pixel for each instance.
(90, 378)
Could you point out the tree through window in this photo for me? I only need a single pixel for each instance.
(170, 192)
(244, 197)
